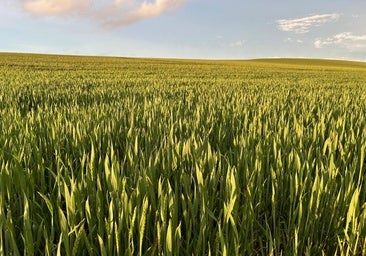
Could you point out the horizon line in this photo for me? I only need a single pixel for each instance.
(180, 58)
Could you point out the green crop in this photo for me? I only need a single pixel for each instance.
(115, 156)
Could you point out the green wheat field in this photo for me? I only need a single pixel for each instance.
(123, 156)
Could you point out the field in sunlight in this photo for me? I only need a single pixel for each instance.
(120, 156)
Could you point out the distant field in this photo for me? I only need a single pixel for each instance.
(122, 156)
(320, 63)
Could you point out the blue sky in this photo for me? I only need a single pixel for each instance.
(211, 29)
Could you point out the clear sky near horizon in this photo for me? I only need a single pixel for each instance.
(210, 29)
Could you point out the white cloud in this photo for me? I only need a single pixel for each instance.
(143, 11)
(54, 7)
(303, 25)
(345, 40)
(318, 43)
(292, 40)
(110, 13)
(239, 43)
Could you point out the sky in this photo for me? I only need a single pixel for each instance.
(199, 29)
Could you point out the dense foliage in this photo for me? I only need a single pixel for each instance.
(114, 156)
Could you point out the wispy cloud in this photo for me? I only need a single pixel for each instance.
(238, 43)
(292, 40)
(142, 11)
(303, 25)
(55, 7)
(110, 13)
(345, 40)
